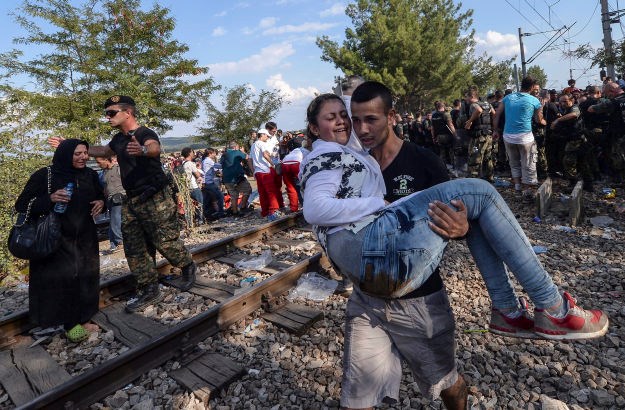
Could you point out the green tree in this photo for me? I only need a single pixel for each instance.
(417, 48)
(538, 74)
(489, 76)
(91, 51)
(242, 112)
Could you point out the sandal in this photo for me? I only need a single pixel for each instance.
(77, 334)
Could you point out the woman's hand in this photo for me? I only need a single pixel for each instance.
(59, 195)
(55, 141)
(97, 207)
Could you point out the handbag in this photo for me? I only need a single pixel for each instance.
(35, 238)
(117, 199)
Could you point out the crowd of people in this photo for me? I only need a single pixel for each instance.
(574, 134)
(384, 198)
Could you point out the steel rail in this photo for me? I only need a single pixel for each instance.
(18, 323)
(92, 385)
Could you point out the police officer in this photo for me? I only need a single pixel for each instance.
(575, 156)
(595, 127)
(443, 133)
(615, 108)
(539, 131)
(149, 215)
(479, 126)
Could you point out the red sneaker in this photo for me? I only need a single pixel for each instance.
(522, 326)
(577, 324)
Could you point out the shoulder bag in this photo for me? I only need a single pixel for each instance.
(35, 238)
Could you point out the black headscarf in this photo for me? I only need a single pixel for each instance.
(62, 169)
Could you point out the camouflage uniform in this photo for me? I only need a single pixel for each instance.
(149, 225)
(615, 145)
(575, 162)
(541, 160)
(481, 143)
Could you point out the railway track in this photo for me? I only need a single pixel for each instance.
(174, 342)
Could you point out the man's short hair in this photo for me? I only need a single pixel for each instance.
(370, 90)
(571, 82)
(527, 83)
(271, 125)
(233, 145)
(186, 151)
(439, 105)
(593, 89)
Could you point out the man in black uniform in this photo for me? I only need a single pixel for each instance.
(595, 127)
(149, 214)
(615, 108)
(444, 133)
(553, 144)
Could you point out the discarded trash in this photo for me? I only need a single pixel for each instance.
(608, 193)
(539, 249)
(255, 263)
(566, 229)
(601, 221)
(254, 372)
(565, 199)
(251, 326)
(247, 282)
(475, 330)
(537, 219)
(314, 287)
(620, 208)
(501, 183)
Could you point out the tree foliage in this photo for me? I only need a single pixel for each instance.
(415, 47)
(242, 112)
(538, 74)
(101, 48)
(90, 51)
(489, 76)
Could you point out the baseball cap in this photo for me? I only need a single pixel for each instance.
(262, 131)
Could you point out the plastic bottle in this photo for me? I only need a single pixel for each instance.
(60, 207)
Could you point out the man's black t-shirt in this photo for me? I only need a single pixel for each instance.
(415, 169)
(138, 173)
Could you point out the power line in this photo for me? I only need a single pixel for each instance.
(539, 14)
(587, 23)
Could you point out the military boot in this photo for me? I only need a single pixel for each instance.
(188, 277)
(145, 296)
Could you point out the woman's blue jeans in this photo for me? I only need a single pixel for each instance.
(400, 251)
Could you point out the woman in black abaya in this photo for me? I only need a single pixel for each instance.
(64, 287)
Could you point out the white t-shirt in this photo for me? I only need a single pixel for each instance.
(260, 163)
(189, 167)
(273, 147)
(297, 155)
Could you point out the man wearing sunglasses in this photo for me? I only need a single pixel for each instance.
(149, 216)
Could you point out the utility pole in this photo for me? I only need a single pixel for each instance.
(607, 36)
(523, 64)
(515, 76)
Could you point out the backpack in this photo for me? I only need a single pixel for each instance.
(179, 169)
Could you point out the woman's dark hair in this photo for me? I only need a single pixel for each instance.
(314, 108)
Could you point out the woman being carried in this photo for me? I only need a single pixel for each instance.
(392, 249)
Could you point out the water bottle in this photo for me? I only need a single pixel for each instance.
(60, 207)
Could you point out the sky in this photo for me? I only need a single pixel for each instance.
(270, 44)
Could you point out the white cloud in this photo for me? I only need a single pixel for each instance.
(335, 10)
(498, 44)
(218, 31)
(221, 13)
(270, 56)
(302, 28)
(268, 22)
(289, 93)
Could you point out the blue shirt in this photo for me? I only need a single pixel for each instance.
(519, 109)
